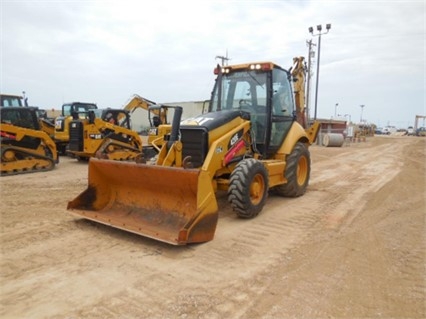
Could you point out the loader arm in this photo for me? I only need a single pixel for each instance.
(122, 139)
(96, 137)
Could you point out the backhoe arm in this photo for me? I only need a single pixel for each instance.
(298, 72)
(137, 102)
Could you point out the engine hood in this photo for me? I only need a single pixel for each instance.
(214, 120)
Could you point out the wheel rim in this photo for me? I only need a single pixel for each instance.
(8, 156)
(257, 188)
(302, 170)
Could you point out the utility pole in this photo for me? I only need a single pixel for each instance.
(224, 59)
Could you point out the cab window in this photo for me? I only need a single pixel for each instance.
(282, 108)
(282, 100)
(66, 110)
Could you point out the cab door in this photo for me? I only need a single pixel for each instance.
(282, 109)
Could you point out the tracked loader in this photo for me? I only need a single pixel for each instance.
(47, 125)
(61, 133)
(107, 134)
(25, 148)
(248, 144)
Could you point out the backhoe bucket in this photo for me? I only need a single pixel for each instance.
(173, 205)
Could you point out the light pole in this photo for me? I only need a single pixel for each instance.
(335, 109)
(311, 30)
(362, 108)
(308, 85)
(346, 115)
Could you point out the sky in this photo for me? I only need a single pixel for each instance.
(106, 51)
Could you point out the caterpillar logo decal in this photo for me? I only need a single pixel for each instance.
(95, 136)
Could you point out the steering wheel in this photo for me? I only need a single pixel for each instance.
(246, 105)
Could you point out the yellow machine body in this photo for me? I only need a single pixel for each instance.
(245, 150)
(25, 148)
(96, 137)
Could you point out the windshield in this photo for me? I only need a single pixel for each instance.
(22, 117)
(240, 90)
(67, 109)
(11, 100)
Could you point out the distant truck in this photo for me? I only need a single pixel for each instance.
(389, 130)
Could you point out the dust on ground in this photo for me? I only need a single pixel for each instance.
(353, 246)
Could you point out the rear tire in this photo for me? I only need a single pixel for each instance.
(297, 172)
(248, 188)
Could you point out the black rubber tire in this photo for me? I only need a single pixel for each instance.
(248, 188)
(297, 172)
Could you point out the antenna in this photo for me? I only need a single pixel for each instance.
(224, 59)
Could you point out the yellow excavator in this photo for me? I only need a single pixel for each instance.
(157, 117)
(248, 144)
(25, 148)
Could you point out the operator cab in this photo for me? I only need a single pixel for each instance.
(116, 117)
(19, 116)
(24, 117)
(9, 100)
(78, 107)
(264, 91)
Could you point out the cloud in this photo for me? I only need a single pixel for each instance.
(105, 51)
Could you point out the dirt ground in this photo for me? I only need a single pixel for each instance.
(352, 247)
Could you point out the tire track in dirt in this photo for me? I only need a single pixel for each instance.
(369, 280)
(267, 266)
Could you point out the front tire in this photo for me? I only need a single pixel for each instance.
(248, 188)
(297, 172)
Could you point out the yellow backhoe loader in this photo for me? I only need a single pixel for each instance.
(25, 148)
(249, 144)
(103, 133)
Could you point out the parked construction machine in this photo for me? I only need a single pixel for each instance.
(62, 135)
(9, 100)
(103, 133)
(248, 144)
(108, 133)
(25, 148)
(13, 100)
(158, 124)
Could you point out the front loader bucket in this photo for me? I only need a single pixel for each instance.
(173, 205)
